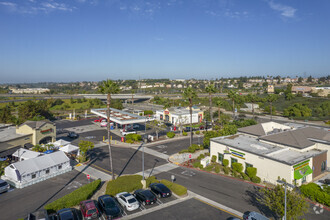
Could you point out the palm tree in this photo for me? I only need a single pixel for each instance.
(109, 87)
(219, 104)
(271, 98)
(189, 94)
(252, 98)
(233, 96)
(210, 89)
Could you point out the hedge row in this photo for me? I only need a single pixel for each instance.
(175, 188)
(127, 184)
(74, 198)
(315, 193)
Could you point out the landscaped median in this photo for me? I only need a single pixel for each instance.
(131, 183)
(73, 199)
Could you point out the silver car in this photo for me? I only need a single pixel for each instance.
(128, 201)
(254, 216)
(4, 186)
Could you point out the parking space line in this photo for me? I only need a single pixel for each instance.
(159, 202)
(214, 206)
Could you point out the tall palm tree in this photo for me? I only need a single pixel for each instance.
(219, 104)
(252, 98)
(271, 98)
(233, 96)
(189, 94)
(210, 89)
(109, 87)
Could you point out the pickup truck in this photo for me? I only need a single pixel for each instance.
(129, 131)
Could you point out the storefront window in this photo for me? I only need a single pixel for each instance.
(220, 158)
(33, 176)
(323, 166)
(303, 179)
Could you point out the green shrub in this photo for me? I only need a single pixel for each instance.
(129, 141)
(175, 188)
(151, 179)
(201, 166)
(244, 176)
(209, 168)
(184, 151)
(148, 112)
(193, 148)
(315, 193)
(256, 179)
(197, 132)
(234, 173)
(200, 157)
(196, 164)
(124, 184)
(238, 167)
(184, 133)
(134, 137)
(217, 169)
(251, 172)
(226, 170)
(225, 162)
(74, 198)
(214, 158)
(207, 154)
(170, 134)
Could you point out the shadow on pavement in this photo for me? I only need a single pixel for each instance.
(129, 160)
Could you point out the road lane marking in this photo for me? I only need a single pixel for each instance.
(100, 168)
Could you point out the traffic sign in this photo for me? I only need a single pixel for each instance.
(88, 176)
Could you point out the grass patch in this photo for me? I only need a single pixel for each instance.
(74, 198)
(175, 188)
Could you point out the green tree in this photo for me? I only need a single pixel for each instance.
(297, 206)
(219, 103)
(297, 110)
(109, 87)
(310, 79)
(5, 115)
(210, 89)
(190, 94)
(234, 98)
(84, 147)
(156, 126)
(271, 98)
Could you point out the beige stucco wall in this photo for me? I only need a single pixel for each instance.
(20, 141)
(267, 169)
(37, 135)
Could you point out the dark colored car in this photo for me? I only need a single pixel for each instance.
(4, 186)
(88, 209)
(146, 197)
(67, 214)
(160, 190)
(109, 206)
(73, 135)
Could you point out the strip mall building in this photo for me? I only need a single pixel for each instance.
(298, 155)
(180, 115)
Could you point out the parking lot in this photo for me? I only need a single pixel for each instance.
(18, 203)
(188, 209)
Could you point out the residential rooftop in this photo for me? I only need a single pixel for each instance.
(252, 145)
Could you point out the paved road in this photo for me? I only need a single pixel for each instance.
(19, 202)
(189, 209)
(233, 193)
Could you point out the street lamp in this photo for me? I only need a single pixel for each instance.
(285, 184)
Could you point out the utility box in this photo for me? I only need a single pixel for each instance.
(206, 161)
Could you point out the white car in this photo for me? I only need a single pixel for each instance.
(129, 131)
(127, 200)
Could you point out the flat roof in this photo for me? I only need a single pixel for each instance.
(118, 116)
(252, 145)
(9, 133)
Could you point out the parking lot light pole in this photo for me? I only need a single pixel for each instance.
(285, 185)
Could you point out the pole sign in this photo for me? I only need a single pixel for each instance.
(88, 176)
(189, 156)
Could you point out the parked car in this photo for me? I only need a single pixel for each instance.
(73, 134)
(98, 120)
(108, 206)
(145, 196)
(136, 126)
(4, 186)
(128, 201)
(160, 190)
(323, 183)
(254, 216)
(104, 124)
(128, 131)
(88, 209)
(67, 214)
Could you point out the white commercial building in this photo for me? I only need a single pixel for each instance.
(180, 115)
(297, 155)
(34, 170)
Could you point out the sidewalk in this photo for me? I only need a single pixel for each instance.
(94, 173)
(163, 168)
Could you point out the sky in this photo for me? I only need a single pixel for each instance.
(93, 40)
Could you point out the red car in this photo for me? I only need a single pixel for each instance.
(89, 210)
(98, 120)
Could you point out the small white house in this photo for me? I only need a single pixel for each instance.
(24, 154)
(28, 172)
